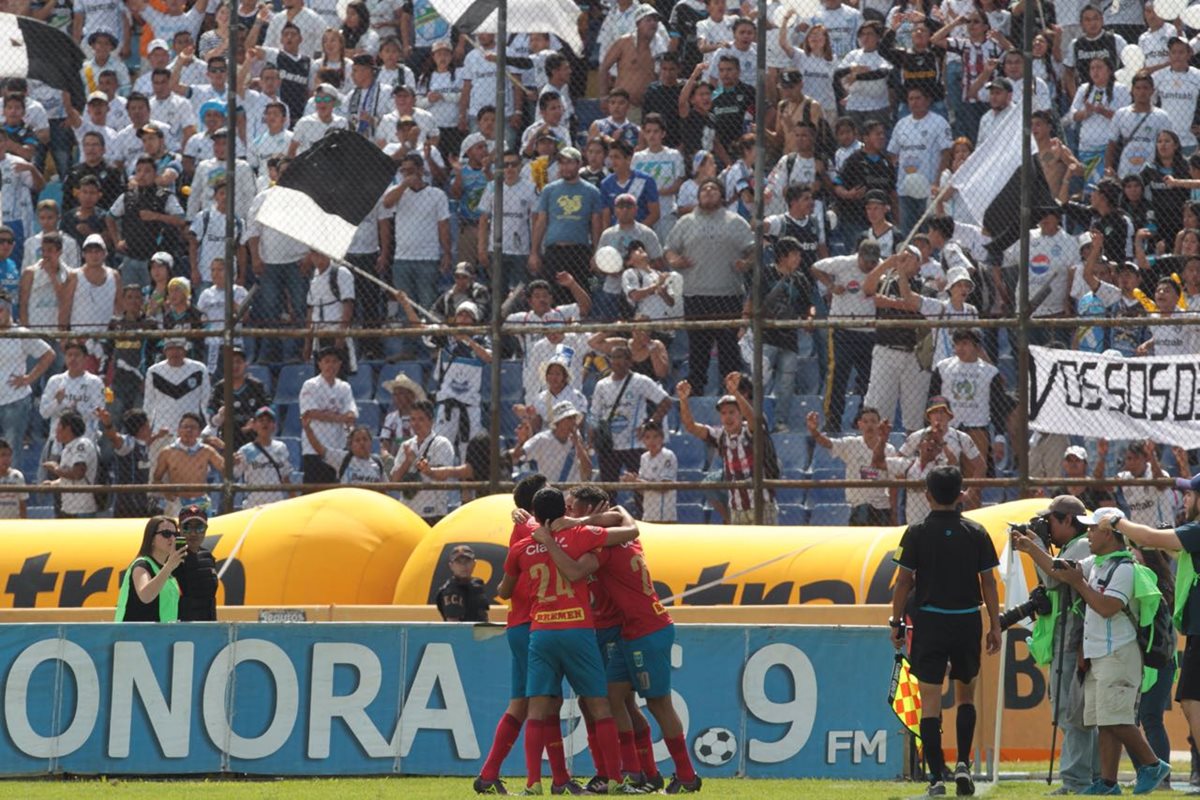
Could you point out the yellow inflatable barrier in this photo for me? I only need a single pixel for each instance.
(840, 565)
(342, 546)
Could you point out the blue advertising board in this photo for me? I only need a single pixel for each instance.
(417, 699)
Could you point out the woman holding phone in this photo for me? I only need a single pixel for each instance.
(149, 592)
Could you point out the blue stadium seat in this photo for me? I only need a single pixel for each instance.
(823, 459)
(803, 404)
(792, 449)
(829, 514)
(693, 513)
(369, 415)
(790, 514)
(290, 425)
(704, 410)
(293, 446)
(689, 451)
(412, 369)
(793, 497)
(291, 378)
(897, 439)
(263, 373)
(850, 411)
(512, 389)
(826, 495)
(39, 512)
(362, 383)
(808, 375)
(28, 460)
(796, 473)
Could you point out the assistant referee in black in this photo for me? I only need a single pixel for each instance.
(945, 562)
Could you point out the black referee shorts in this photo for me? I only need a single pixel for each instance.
(1189, 670)
(941, 639)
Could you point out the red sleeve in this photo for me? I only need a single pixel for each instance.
(511, 565)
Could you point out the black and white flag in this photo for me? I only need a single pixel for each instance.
(327, 191)
(36, 51)
(559, 17)
(989, 183)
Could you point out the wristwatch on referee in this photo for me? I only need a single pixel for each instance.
(896, 623)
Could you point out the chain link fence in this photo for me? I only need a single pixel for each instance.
(752, 264)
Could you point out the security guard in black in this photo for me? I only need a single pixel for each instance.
(462, 598)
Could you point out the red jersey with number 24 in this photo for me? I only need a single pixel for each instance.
(626, 578)
(556, 603)
(518, 609)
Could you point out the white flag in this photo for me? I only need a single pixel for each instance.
(985, 173)
(1016, 589)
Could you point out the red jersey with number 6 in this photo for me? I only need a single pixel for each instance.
(626, 578)
(556, 603)
(518, 609)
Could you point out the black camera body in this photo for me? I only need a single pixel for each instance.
(1037, 526)
(1038, 603)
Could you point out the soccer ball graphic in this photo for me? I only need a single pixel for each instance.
(715, 747)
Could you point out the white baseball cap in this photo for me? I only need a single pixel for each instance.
(1100, 515)
(1077, 451)
(95, 240)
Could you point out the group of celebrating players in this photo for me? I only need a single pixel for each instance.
(584, 608)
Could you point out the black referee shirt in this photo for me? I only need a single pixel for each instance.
(947, 553)
(462, 601)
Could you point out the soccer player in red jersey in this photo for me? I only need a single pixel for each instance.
(647, 635)
(509, 727)
(637, 753)
(562, 635)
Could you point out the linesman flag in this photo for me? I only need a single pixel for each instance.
(36, 51)
(989, 182)
(905, 696)
(559, 17)
(327, 191)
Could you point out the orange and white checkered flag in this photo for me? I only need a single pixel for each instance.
(905, 696)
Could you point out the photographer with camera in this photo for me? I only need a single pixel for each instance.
(946, 563)
(1058, 634)
(1111, 662)
(1186, 540)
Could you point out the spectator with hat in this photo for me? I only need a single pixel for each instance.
(551, 122)
(175, 386)
(397, 425)
(1075, 466)
(559, 451)
(95, 121)
(197, 575)
(471, 175)
(263, 460)
(404, 100)
(213, 170)
(466, 287)
(560, 388)
(91, 294)
(1000, 104)
(866, 170)
(953, 441)
(311, 127)
(462, 598)
(567, 225)
(625, 235)
(327, 406)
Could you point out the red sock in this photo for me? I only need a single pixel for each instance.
(683, 762)
(534, 744)
(593, 747)
(645, 751)
(507, 731)
(629, 755)
(552, 735)
(610, 748)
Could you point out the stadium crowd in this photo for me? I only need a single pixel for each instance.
(629, 182)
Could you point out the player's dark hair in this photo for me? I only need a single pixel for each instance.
(795, 191)
(133, 420)
(526, 488)
(590, 495)
(944, 485)
(548, 504)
